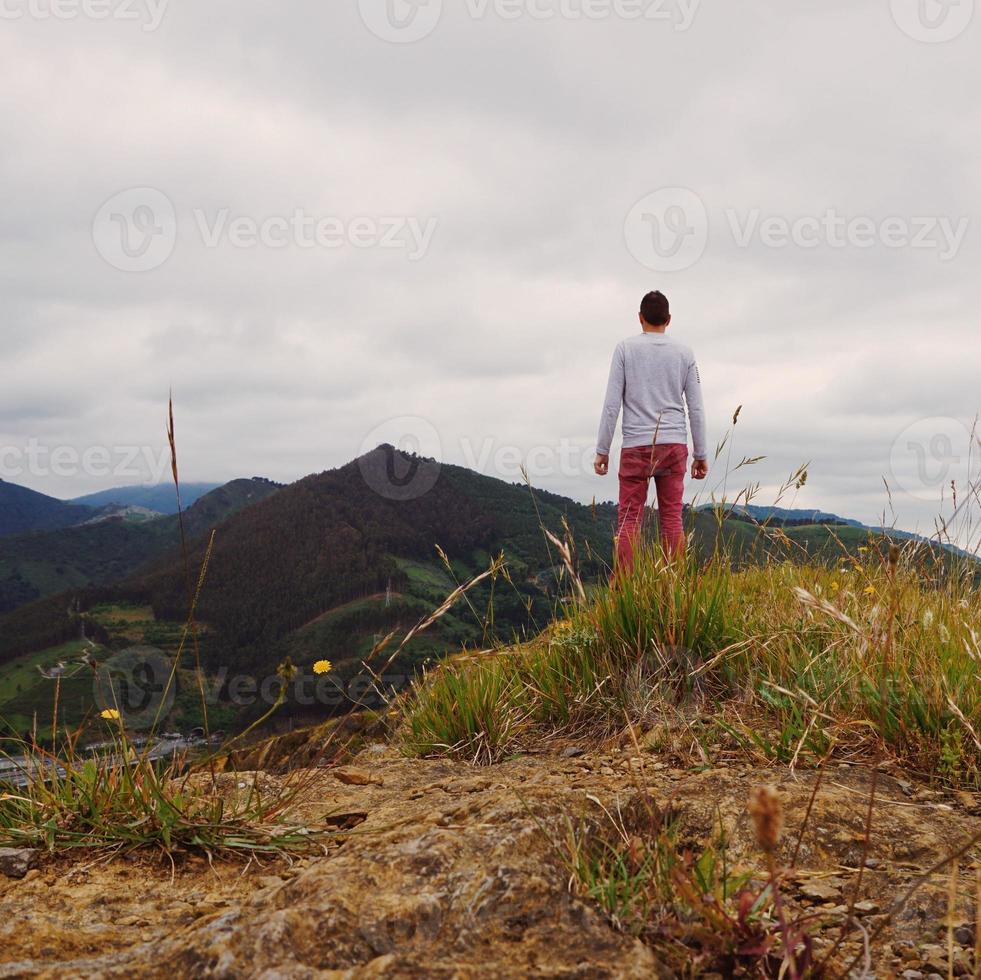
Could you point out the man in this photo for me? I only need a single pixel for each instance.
(652, 378)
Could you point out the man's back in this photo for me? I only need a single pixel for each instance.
(652, 377)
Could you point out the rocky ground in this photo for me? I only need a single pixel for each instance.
(448, 871)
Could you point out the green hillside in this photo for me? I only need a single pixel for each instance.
(330, 539)
(36, 565)
(325, 568)
(23, 510)
(161, 498)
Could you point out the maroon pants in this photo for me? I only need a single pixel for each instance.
(666, 464)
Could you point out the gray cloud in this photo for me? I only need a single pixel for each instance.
(528, 143)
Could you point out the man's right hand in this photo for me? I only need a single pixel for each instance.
(601, 465)
(699, 469)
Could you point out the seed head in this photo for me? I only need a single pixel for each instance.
(767, 814)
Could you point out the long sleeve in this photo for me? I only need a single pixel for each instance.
(614, 400)
(696, 411)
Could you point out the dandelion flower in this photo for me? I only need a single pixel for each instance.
(110, 714)
(863, 550)
(323, 667)
(835, 586)
(870, 590)
(928, 619)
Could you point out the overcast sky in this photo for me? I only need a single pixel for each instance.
(310, 219)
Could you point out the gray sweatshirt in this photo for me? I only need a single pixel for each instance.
(650, 374)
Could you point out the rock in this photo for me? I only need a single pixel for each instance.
(128, 921)
(911, 975)
(934, 959)
(819, 891)
(964, 936)
(867, 908)
(350, 776)
(572, 752)
(15, 862)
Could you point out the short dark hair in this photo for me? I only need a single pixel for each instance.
(655, 310)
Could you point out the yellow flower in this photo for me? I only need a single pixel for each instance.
(110, 714)
(862, 550)
(323, 667)
(870, 590)
(835, 586)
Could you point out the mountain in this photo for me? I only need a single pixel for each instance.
(320, 569)
(23, 511)
(161, 498)
(109, 544)
(324, 568)
(328, 561)
(780, 515)
(820, 526)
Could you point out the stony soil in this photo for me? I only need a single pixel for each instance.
(445, 871)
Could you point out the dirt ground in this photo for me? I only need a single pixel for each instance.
(448, 871)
